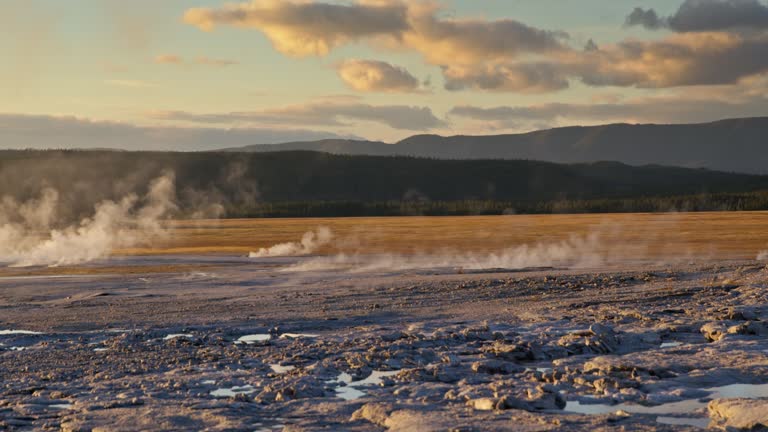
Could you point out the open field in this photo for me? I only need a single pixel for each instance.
(736, 235)
(400, 324)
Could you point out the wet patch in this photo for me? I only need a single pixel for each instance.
(178, 335)
(673, 413)
(670, 345)
(278, 369)
(233, 391)
(297, 336)
(350, 390)
(18, 332)
(702, 423)
(253, 339)
(681, 407)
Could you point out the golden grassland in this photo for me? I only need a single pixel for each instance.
(732, 235)
(663, 236)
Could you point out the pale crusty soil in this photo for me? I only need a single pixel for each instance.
(498, 350)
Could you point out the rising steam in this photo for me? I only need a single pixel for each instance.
(310, 243)
(577, 251)
(30, 233)
(596, 248)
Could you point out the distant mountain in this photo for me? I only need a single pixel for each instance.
(737, 145)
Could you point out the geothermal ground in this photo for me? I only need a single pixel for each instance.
(562, 335)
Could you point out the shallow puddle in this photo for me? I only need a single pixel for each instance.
(297, 335)
(666, 411)
(272, 428)
(702, 423)
(539, 369)
(178, 335)
(18, 332)
(681, 407)
(233, 391)
(351, 391)
(671, 344)
(748, 391)
(252, 339)
(278, 369)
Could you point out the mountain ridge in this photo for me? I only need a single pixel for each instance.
(731, 145)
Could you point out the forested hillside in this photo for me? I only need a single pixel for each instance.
(248, 184)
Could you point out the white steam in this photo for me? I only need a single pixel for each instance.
(310, 242)
(28, 235)
(577, 251)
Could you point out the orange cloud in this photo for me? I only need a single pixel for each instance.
(303, 28)
(503, 54)
(168, 59)
(377, 76)
(202, 60)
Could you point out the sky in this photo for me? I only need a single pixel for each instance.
(204, 74)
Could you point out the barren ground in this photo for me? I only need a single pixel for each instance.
(219, 341)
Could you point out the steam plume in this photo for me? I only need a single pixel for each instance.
(310, 242)
(30, 233)
(577, 251)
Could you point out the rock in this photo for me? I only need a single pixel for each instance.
(743, 414)
(376, 413)
(714, 331)
(751, 328)
(603, 384)
(482, 404)
(450, 360)
(505, 351)
(496, 367)
(741, 314)
(545, 398)
(601, 330)
(599, 339)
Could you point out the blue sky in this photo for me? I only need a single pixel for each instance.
(152, 64)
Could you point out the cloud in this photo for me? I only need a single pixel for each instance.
(523, 78)
(129, 83)
(706, 104)
(706, 15)
(168, 59)
(376, 76)
(319, 114)
(303, 28)
(687, 59)
(39, 131)
(645, 18)
(505, 55)
(207, 61)
(445, 42)
(173, 59)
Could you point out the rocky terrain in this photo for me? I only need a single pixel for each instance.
(247, 346)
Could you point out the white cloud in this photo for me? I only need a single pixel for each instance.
(323, 113)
